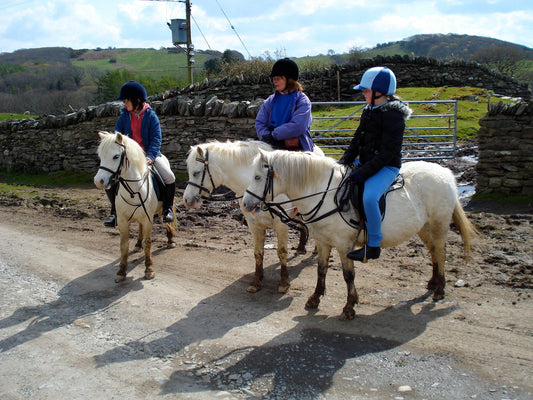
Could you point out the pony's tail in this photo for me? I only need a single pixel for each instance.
(467, 230)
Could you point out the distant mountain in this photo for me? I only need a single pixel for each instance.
(450, 45)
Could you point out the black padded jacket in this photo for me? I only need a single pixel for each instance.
(378, 139)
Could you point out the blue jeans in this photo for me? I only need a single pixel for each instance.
(375, 186)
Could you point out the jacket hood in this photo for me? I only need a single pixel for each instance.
(399, 106)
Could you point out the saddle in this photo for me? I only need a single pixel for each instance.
(157, 182)
(349, 199)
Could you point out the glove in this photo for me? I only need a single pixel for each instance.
(268, 138)
(356, 177)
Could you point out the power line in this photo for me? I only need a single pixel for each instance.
(196, 23)
(235, 30)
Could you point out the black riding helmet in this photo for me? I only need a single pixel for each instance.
(132, 90)
(285, 67)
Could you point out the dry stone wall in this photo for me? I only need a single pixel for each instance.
(220, 109)
(505, 162)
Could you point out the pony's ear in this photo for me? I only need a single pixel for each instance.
(102, 134)
(119, 139)
(200, 152)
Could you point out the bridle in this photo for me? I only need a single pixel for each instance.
(206, 172)
(117, 178)
(278, 210)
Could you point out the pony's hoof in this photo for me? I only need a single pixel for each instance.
(438, 295)
(312, 302)
(120, 278)
(347, 315)
(149, 275)
(171, 245)
(253, 289)
(283, 288)
(301, 251)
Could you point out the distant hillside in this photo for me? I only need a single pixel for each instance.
(451, 46)
(52, 80)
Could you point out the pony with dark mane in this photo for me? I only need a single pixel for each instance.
(123, 160)
(425, 205)
(229, 164)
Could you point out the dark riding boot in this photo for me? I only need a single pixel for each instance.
(168, 202)
(111, 193)
(365, 253)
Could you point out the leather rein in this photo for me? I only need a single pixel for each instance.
(277, 208)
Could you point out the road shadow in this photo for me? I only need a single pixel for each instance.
(90, 293)
(203, 321)
(301, 362)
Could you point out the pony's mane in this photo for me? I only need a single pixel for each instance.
(302, 168)
(240, 151)
(134, 152)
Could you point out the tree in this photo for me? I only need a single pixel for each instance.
(108, 86)
(354, 55)
(504, 59)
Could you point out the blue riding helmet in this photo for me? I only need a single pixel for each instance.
(132, 90)
(378, 79)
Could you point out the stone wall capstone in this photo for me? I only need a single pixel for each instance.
(221, 109)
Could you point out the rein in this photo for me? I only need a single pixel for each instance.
(277, 209)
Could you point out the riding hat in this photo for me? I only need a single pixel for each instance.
(132, 90)
(285, 67)
(378, 79)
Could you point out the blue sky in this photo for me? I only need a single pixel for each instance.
(291, 28)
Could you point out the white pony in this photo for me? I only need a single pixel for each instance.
(229, 164)
(122, 159)
(425, 206)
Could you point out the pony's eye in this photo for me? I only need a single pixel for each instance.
(116, 157)
(257, 177)
(196, 174)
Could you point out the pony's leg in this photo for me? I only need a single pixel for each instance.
(348, 273)
(147, 245)
(258, 235)
(139, 243)
(434, 238)
(170, 234)
(124, 229)
(324, 251)
(303, 241)
(171, 230)
(282, 232)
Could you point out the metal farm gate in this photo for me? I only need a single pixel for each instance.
(430, 133)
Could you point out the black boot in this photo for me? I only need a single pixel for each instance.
(111, 194)
(168, 202)
(365, 253)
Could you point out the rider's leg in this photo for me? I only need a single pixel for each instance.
(375, 186)
(111, 195)
(163, 167)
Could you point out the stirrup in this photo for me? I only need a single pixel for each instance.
(168, 216)
(112, 222)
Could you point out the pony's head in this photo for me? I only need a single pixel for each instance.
(208, 165)
(285, 172)
(117, 153)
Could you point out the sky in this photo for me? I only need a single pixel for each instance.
(257, 28)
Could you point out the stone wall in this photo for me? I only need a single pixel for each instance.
(505, 162)
(213, 110)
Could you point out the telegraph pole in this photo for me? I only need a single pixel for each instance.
(190, 46)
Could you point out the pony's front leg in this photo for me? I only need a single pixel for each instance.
(348, 273)
(258, 235)
(139, 243)
(304, 236)
(282, 232)
(324, 251)
(124, 229)
(146, 229)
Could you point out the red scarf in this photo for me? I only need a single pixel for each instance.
(136, 121)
